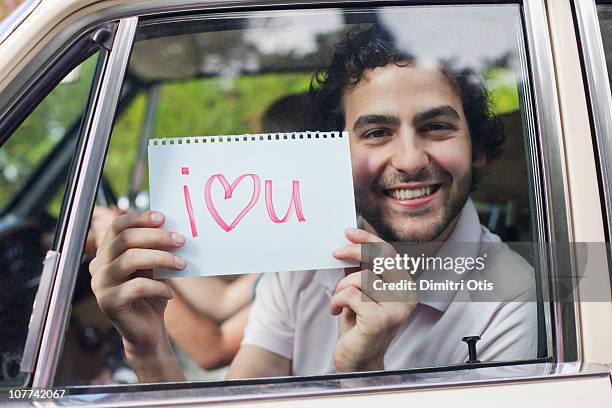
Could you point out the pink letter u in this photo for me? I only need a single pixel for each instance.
(295, 202)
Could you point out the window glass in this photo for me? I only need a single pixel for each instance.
(604, 12)
(46, 126)
(122, 152)
(435, 100)
(34, 164)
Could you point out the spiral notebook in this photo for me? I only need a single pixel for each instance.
(254, 203)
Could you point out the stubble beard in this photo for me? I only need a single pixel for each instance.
(373, 214)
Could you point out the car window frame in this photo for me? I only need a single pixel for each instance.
(564, 315)
(271, 389)
(552, 182)
(22, 203)
(98, 123)
(599, 94)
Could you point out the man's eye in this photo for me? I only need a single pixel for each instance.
(437, 127)
(376, 134)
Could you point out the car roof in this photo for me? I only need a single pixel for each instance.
(33, 28)
(41, 29)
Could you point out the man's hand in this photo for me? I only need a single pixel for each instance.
(367, 324)
(101, 220)
(122, 280)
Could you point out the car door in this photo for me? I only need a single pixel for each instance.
(175, 35)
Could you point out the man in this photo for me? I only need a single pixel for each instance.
(417, 134)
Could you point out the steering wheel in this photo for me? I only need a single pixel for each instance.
(23, 245)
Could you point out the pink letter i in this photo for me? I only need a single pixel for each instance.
(192, 223)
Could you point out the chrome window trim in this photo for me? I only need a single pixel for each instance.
(39, 312)
(546, 112)
(554, 175)
(599, 93)
(97, 134)
(244, 391)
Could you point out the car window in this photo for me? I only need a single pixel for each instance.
(451, 73)
(34, 163)
(43, 130)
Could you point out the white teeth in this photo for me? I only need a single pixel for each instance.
(409, 194)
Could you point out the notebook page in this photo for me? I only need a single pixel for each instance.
(254, 203)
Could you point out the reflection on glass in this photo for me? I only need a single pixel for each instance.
(230, 74)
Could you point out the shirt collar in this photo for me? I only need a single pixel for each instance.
(467, 230)
(468, 227)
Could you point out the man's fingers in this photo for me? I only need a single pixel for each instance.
(135, 259)
(147, 238)
(150, 219)
(355, 299)
(138, 288)
(354, 279)
(351, 252)
(364, 281)
(376, 317)
(383, 249)
(359, 236)
(357, 280)
(395, 275)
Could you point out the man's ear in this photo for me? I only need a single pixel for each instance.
(480, 159)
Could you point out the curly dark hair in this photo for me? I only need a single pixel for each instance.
(373, 47)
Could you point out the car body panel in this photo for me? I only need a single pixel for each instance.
(564, 385)
(32, 44)
(585, 202)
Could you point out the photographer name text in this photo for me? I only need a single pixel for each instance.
(430, 285)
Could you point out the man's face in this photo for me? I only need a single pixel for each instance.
(411, 152)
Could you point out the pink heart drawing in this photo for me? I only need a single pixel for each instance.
(229, 189)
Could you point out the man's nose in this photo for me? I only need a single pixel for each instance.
(410, 153)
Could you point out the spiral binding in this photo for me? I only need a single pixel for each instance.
(246, 138)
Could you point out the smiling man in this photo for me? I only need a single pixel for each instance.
(418, 136)
(411, 150)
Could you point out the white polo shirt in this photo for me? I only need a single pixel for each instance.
(291, 314)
